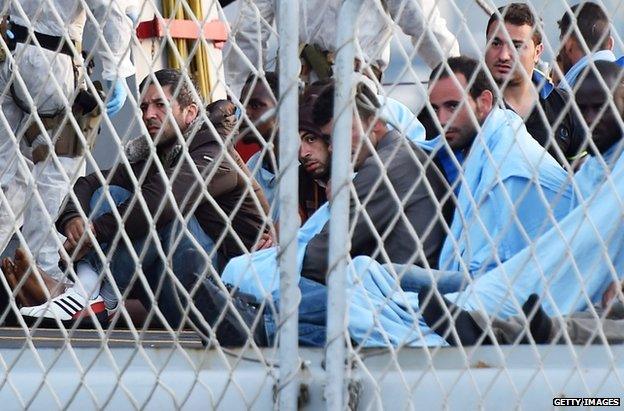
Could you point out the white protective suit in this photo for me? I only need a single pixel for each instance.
(48, 76)
(318, 20)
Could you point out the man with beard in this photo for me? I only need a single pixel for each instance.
(184, 193)
(508, 189)
(597, 181)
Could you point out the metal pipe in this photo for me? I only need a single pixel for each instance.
(174, 10)
(200, 59)
(341, 172)
(288, 191)
(487, 8)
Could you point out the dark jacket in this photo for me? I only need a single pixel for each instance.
(558, 121)
(417, 183)
(311, 195)
(226, 188)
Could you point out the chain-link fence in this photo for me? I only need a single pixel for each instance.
(354, 204)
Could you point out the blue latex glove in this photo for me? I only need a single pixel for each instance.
(133, 14)
(117, 97)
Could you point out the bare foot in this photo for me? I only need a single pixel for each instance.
(8, 268)
(34, 277)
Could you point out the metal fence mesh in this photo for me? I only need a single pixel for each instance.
(470, 254)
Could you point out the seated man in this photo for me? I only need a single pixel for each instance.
(257, 274)
(410, 179)
(509, 189)
(195, 194)
(581, 327)
(261, 109)
(314, 155)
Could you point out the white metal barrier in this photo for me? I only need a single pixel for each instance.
(186, 273)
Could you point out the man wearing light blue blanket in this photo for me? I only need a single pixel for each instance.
(409, 176)
(570, 268)
(509, 189)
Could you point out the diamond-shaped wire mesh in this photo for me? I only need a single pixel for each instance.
(471, 256)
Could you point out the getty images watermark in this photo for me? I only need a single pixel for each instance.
(586, 402)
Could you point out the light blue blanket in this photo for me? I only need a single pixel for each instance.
(570, 78)
(517, 188)
(571, 265)
(380, 313)
(257, 273)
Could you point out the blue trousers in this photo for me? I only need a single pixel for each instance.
(313, 306)
(312, 315)
(188, 268)
(175, 242)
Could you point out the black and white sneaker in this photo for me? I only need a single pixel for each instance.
(67, 308)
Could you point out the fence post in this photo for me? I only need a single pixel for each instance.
(341, 172)
(288, 26)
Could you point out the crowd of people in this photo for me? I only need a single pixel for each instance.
(492, 215)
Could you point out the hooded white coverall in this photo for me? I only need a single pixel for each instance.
(35, 192)
(318, 21)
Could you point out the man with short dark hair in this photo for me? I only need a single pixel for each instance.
(260, 98)
(578, 259)
(396, 170)
(514, 46)
(193, 194)
(314, 154)
(405, 173)
(508, 188)
(591, 21)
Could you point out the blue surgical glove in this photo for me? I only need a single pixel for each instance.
(133, 14)
(117, 97)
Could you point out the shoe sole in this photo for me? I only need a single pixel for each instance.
(86, 321)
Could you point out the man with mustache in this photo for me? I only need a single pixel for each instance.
(409, 176)
(314, 152)
(514, 46)
(382, 153)
(183, 193)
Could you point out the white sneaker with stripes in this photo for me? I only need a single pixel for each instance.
(67, 308)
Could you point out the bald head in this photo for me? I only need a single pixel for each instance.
(593, 99)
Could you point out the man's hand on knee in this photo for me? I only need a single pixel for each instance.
(75, 230)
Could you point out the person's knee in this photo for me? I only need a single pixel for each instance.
(190, 266)
(100, 205)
